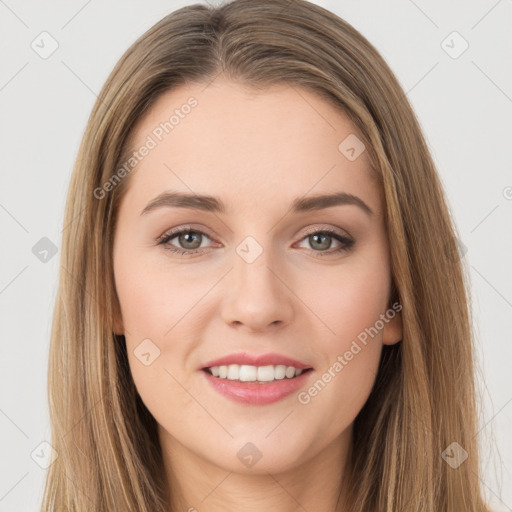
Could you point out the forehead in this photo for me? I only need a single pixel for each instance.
(246, 145)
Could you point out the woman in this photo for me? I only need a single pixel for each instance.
(311, 348)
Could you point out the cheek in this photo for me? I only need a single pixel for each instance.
(351, 305)
(350, 300)
(341, 386)
(339, 390)
(154, 298)
(157, 307)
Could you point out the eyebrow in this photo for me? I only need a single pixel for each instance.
(215, 205)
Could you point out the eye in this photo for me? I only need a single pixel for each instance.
(321, 240)
(191, 241)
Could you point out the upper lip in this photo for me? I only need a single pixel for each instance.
(270, 358)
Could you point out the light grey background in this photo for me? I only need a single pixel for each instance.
(464, 105)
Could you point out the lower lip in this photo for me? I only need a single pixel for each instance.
(256, 393)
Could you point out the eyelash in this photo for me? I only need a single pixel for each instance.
(164, 240)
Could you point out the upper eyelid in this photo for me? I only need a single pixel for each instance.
(183, 229)
(332, 230)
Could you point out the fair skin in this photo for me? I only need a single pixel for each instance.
(257, 152)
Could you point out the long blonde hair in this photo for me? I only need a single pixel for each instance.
(423, 400)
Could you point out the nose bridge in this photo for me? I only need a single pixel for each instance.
(257, 296)
(253, 264)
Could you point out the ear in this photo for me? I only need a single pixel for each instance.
(392, 332)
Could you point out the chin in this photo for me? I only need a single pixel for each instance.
(257, 455)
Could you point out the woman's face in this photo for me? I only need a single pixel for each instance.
(271, 277)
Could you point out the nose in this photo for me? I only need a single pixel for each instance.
(257, 296)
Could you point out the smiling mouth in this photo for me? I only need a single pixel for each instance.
(256, 374)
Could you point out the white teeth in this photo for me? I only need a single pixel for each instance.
(280, 372)
(290, 372)
(233, 372)
(248, 373)
(266, 373)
